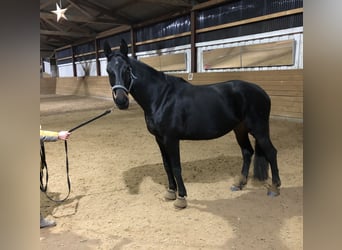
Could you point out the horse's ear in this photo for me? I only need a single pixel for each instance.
(123, 47)
(107, 49)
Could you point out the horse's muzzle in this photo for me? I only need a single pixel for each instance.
(121, 99)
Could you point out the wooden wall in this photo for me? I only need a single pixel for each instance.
(255, 55)
(285, 87)
(47, 85)
(169, 62)
(87, 86)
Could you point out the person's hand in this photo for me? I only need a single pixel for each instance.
(63, 135)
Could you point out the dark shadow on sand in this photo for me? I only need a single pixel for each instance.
(201, 171)
(256, 214)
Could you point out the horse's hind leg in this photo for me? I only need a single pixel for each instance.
(267, 150)
(241, 134)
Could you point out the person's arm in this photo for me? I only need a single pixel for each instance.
(46, 135)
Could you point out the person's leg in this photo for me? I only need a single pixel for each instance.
(45, 222)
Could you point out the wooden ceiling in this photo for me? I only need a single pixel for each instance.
(87, 19)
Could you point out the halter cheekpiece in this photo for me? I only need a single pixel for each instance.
(123, 87)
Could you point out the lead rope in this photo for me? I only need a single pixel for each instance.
(43, 164)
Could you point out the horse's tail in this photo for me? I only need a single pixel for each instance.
(260, 164)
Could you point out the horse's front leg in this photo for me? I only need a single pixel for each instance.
(173, 154)
(172, 188)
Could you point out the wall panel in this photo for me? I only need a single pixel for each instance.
(280, 53)
(47, 85)
(285, 87)
(168, 62)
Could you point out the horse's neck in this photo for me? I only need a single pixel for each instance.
(147, 86)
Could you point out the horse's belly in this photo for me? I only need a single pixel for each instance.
(193, 127)
(204, 133)
(204, 129)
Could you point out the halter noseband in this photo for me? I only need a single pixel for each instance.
(123, 87)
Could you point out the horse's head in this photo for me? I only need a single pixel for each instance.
(120, 74)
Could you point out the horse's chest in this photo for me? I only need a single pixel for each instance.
(152, 125)
(157, 125)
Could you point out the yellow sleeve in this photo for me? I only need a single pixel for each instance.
(46, 135)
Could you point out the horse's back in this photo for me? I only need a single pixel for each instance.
(240, 96)
(207, 111)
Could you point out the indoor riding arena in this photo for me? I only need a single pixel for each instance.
(114, 164)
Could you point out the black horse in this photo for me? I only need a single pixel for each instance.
(177, 110)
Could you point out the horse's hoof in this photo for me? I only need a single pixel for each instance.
(235, 188)
(170, 195)
(180, 203)
(273, 191)
(239, 183)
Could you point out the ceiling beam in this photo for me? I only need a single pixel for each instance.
(47, 3)
(46, 46)
(104, 11)
(52, 24)
(177, 3)
(64, 33)
(56, 41)
(119, 29)
(88, 19)
(100, 20)
(209, 4)
(116, 12)
(80, 9)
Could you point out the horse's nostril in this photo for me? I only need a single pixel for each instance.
(122, 103)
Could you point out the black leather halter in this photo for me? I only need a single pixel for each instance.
(117, 86)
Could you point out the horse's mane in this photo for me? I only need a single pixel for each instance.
(144, 66)
(168, 78)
